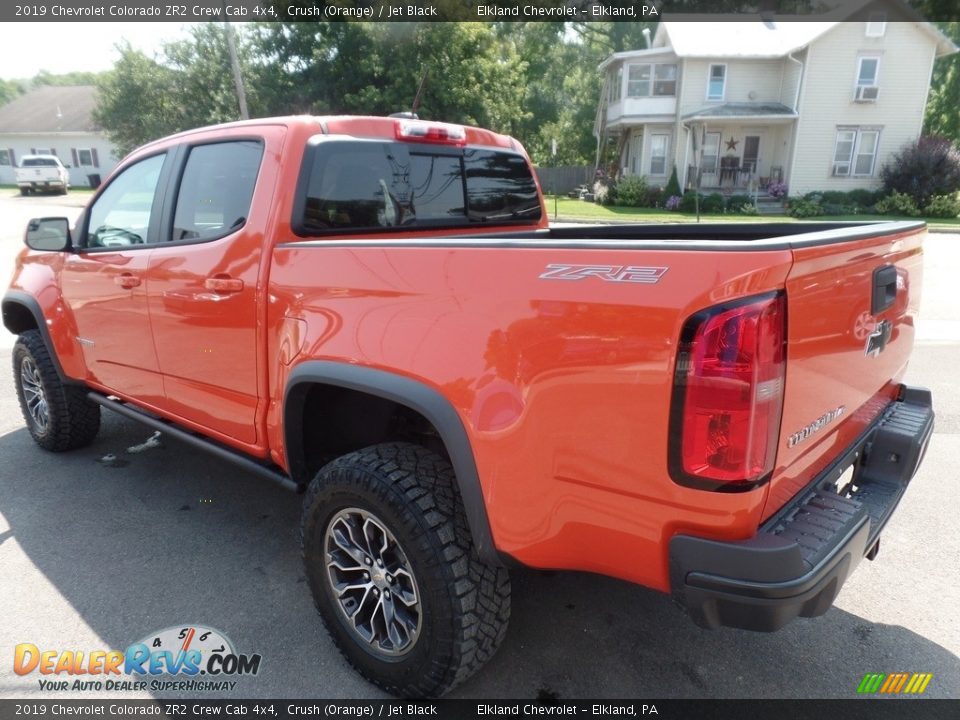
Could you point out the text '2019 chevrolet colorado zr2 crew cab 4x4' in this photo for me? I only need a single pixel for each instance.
(374, 311)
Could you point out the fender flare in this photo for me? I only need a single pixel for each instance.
(19, 298)
(403, 391)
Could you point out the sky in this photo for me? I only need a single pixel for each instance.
(75, 46)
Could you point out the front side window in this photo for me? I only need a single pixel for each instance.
(665, 80)
(876, 25)
(658, 154)
(121, 215)
(216, 189)
(616, 83)
(639, 78)
(855, 152)
(356, 185)
(867, 72)
(716, 84)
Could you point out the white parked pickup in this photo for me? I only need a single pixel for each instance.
(42, 172)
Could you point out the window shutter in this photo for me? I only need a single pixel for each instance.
(13, 157)
(73, 154)
(53, 151)
(33, 151)
(96, 160)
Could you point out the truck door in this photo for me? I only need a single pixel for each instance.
(104, 282)
(203, 287)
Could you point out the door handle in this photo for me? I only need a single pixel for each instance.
(127, 281)
(223, 284)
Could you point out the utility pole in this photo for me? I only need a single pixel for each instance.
(235, 65)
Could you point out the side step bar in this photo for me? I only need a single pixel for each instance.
(214, 448)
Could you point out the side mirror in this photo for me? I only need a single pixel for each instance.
(51, 234)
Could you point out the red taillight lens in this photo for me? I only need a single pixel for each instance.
(728, 395)
(443, 133)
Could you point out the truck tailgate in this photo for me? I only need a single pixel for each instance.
(852, 309)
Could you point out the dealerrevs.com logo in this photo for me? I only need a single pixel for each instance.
(198, 657)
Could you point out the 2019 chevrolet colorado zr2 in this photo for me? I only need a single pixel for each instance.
(374, 311)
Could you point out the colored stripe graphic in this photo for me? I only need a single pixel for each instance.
(894, 683)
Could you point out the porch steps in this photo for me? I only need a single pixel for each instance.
(768, 205)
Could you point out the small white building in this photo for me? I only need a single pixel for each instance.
(55, 121)
(816, 105)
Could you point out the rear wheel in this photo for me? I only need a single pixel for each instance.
(58, 416)
(391, 565)
(24, 191)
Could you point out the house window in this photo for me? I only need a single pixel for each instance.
(85, 157)
(876, 25)
(868, 70)
(42, 151)
(658, 154)
(717, 82)
(855, 152)
(665, 80)
(616, 84)
(710, 153)
(5, 157)
(638, 80)
(651, 80)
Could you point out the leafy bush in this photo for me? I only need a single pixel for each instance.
(712, 203)
(735, 203)
(925, 168)
(688, 203)
(672, 188)
(803, 208)
(777, 189)
(748, 208)
(898, 203)
(864, 198)
(943, 206)
(673, 202)
(631, 191)
(654, 197)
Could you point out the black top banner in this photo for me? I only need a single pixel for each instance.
(475, 10)
(49, 708)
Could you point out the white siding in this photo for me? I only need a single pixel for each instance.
(760, 77)
(62, 143)
(905, 53)
(792, 73)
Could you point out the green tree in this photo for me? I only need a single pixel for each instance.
(942, 116)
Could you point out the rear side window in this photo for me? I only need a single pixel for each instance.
(39, 162)
(216, 189)
(365, 185)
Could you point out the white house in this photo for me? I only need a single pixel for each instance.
(57, 121)
(817, 105)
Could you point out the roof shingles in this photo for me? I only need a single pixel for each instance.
(51, 109)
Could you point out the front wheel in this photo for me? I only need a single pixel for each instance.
(59, 416)
(393, 573)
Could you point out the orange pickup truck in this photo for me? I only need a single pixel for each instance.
(374, 311)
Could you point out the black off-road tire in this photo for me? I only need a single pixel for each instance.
(465, 603)
(73, 421)
(24, 191)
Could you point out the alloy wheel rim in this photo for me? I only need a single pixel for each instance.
(34, 395)
(372, 583)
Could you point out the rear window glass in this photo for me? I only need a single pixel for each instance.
(39, 162)
(360, 185)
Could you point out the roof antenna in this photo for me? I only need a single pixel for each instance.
(412, 115)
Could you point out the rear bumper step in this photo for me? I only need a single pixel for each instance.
(800, 558)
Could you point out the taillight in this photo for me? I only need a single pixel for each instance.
(728, 395)
(443, 133)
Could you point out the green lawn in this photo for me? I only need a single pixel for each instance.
(573, 210)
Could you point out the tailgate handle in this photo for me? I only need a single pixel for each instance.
(884, 289)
